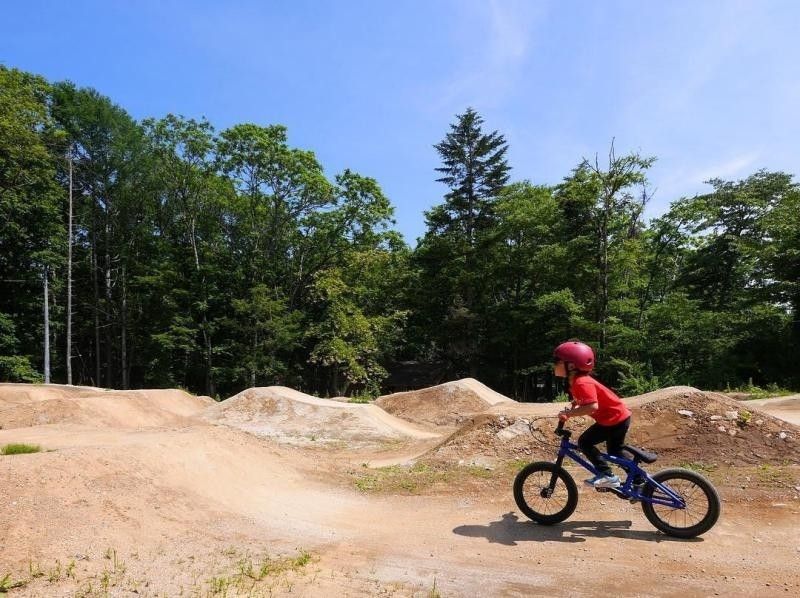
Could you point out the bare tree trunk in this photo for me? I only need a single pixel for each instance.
(604, 276)
(69, 278)
(124, 333)
(210, 387)
(109, 364)
(96, 287)
(46, 329)
(255, 352)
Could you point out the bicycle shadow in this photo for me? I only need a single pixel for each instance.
(509, 530)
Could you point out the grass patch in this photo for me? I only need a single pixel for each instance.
(756, 392)
(267, 571)
(20, 449)
(6, 583)
(775, 475)
(699, 466)
(362, 398)
(415, 479)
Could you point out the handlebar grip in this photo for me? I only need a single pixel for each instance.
(560, 426)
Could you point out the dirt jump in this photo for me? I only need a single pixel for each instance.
(274, 492)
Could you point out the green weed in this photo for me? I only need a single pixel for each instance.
(219, 585)
(362, 398)
(756, 392)
(34, 570)
(744, 418)
(775, 475)
(6, 583)
(55, 573)
(699, 466)
(20, 449)
(415, 479)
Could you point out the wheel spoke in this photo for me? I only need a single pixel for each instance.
(693, 495)
(535, 499)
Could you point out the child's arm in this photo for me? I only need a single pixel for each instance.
(577, 411)
(584, 402)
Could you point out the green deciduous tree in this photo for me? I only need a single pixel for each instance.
(31, 237)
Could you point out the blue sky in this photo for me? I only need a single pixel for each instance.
(711, 88)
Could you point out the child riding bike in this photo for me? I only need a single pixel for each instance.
(573, 361)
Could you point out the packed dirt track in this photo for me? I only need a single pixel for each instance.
(273, 492)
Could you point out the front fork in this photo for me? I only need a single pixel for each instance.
(548, 492)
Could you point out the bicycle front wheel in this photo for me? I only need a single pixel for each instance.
(540, 502)
(702, 504)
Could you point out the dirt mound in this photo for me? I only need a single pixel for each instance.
(489, 438)
(449, 404)
(296, 418)
(709, 427)
(25, 405)
(682, 424)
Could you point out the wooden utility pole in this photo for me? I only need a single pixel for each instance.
(69, 277)
(46, 330)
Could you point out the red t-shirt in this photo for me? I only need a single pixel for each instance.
(610, 408)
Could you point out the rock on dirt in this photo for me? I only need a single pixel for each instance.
(659, 424)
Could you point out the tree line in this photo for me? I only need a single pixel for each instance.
(178, 255)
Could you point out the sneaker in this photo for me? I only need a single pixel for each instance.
(594, 480)
(607, 481)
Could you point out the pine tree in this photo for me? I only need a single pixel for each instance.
(475, 168)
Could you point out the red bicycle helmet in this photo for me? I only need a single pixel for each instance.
(578, 354)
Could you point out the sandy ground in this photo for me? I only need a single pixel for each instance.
(787, 408)
(186, 504)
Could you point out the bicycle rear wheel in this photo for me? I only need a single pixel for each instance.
(702, 504)
(537, 501)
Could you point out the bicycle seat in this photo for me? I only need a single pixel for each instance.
(639, 454)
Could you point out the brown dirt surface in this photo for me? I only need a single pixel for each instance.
(195, 509)
(786, 408)
(449, 405)
(24, 405)
(297, 418)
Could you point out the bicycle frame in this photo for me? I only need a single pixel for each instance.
(627, 490)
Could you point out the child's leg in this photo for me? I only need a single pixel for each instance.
(594, 434)
(616, 437)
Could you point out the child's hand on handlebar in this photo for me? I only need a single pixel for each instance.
(563, 416)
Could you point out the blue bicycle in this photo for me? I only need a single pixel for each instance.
(678, 502)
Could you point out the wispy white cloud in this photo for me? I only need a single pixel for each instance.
(689, 180)
(732, 167)
(502, 32)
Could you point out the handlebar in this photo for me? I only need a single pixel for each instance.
(560, 431)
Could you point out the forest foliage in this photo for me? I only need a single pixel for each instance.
(218, 260)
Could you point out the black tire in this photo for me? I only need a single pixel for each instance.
(702, 504)
(530, 484)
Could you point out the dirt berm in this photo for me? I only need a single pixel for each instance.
(25, 405)
(450, 404)
(293, 417)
